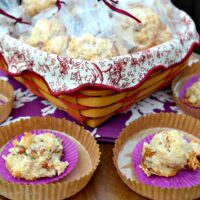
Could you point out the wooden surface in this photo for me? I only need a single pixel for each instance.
(106, 183)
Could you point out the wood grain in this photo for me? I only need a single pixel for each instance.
(106, 183)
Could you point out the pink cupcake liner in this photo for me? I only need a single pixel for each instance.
(185, 178)
(1, 102)
(70, 154)
(186, 85)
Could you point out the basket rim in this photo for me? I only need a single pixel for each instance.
(102, 86)
(118, 73)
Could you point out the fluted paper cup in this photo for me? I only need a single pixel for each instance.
(141, 130)
(6, 107)
(180, 85)
(88, 160)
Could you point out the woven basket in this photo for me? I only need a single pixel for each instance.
(92, 106)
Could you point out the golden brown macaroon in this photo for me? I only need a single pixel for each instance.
(36, 156)
(150, 32)
(192, 96)
(88, 47)
(49, 35)
(34, 7)
(168, 153)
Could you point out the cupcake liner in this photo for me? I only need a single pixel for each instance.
(70, 154)
(6, 108)
(3, 99)
(88, 160)
(179, 86)
(184, 178)
(140, 129)
(1, 102)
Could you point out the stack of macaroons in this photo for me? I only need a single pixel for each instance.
(127, 35)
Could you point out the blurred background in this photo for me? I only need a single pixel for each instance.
(192, 7)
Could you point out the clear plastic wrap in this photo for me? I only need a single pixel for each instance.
(120, 27)
(93, 51)
(96, 22)
(7, 4)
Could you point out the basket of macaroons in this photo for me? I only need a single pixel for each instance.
(91, 58)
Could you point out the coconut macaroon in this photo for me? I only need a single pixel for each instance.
(33, 7)
(88, 47)
(49, 35)
(168, 153)
(150, 32)
(36, 156)
(57, 45)
(192, 95)
(164, 34)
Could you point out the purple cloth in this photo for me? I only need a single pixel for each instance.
(184, 178)
(70, 154)
(26, 104)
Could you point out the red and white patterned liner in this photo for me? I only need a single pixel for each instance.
(65, 74)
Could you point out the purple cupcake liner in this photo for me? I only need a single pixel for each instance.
(185, 178)
(70, 154)
(186, 85)
(2, 102)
